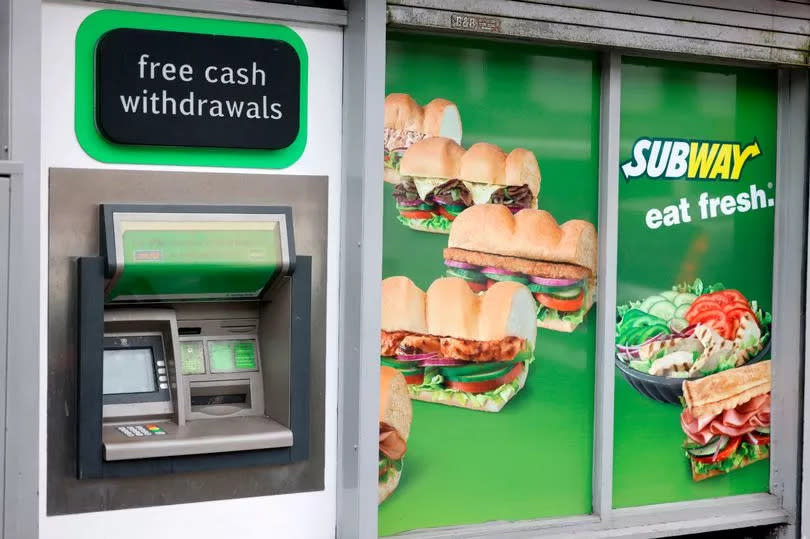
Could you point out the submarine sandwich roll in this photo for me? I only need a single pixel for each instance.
(489, 244)
(406, 123)
(456, 347)
(439, 180)
(396, 415)
(727, 419)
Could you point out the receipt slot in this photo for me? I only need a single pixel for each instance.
(193, 341)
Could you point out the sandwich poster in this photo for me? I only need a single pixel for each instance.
(489, 265)
(695, 257)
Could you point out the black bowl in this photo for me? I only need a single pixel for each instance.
(663, 388)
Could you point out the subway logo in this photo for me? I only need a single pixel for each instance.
(691, 159)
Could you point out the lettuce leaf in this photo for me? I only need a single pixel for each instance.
(698, 288)
(745, 450)
(437, 222)
(500, 395)
(544, 313)
(386, 467)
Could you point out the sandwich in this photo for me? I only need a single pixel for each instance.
(439, 180)
(406, 122)
(489, 244)
(395, 426)
(456, 347)
(727, 419)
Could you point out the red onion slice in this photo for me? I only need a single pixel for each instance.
(460, 265)
(553, 282)
(409, 203)
(416, 357)
(442, 362)
(498, 271)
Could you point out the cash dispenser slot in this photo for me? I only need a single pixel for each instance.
(193, 341)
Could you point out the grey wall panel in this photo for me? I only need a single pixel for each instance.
(778, 34)
(73, 231)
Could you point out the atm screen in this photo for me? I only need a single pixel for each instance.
(129, 370)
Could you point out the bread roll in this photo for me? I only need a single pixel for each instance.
(522, 169)
(452, 309)
(507, 309)
(441, 119)
(434, 157)
(487, 163)
(403, 306)
(530, 234)
(403, 113)
(391, 483)
(483, 163)
(395, 402)
(726, 390)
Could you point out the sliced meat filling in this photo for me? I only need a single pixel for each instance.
(392, 445)
(514, 196)
(479, 351)
(521, 265)
(390, 341)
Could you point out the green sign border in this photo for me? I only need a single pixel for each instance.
(97, 147)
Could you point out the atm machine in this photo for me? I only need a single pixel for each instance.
(193, 341)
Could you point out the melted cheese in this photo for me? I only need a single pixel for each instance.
(481, 192)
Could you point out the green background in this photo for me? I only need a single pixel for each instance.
(97, 147)
(687, 101)
(533, 458)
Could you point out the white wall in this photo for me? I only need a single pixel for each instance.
(294, 515)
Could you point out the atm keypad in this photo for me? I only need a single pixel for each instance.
(148, 429)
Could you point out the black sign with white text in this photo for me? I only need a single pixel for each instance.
(179, 89)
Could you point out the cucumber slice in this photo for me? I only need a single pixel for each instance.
(651, 331)
(467, 275)
(483, 377)
(715, 445)
(500, 277)
(649, 302)
(664, 310)
(555, 290)
(680, 312)
(684, 298)
(633, 314)
(475, 368)
(763, 430)
(669, 295)
(401, 365)
(678, 324)
(633, 336)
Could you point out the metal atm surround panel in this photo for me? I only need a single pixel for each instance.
(211, 427)
(73, 230)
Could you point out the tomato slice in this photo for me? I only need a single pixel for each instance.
(415, 379)
(487, 385)
(446, 214)
(417, 214)
(478, 287)
(564, 305)
(696, 316)
(758, 439)
(733, 295)
(491, 282)
(736, 311)
(730, 448)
